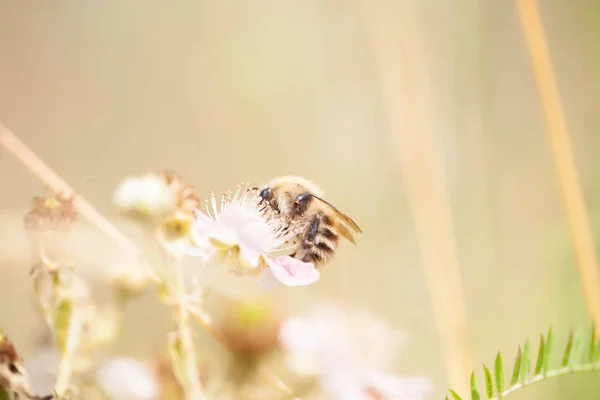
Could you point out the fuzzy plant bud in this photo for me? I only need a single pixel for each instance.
(250, 330)
(128, 280)
(173, 233)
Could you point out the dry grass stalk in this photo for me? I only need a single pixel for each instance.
(404, 88)
(558, 136)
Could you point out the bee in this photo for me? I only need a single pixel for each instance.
(317, 225)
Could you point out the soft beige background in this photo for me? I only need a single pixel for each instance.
(246, 90)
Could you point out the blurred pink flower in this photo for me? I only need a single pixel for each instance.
(348, 352)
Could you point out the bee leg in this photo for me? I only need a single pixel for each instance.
(306, 252)
(311, 233)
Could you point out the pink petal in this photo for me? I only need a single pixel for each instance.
(293, 272)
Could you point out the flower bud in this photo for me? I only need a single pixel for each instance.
(128, 279)
(250, 330)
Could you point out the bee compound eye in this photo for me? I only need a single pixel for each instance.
(266, 194)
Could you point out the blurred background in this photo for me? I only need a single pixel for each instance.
(231, 91)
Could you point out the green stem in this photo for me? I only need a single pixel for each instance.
(191, 384)
(558, 372)
(65, 367)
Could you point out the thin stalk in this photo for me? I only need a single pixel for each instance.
(51, 267)
(405, 88)
(65, 365)
(191, 384)
(558, 136)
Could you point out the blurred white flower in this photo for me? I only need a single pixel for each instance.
(349, 353)
(248, 234)
(128, 379)
(145, 195)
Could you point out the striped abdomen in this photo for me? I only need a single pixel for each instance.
(319, 241)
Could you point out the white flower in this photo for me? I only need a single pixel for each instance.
(145, 195)
(249, 234)
(348, 352)
(237, 225)
(242, 227)
(127, 379)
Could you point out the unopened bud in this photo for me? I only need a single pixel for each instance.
(128, 279)
(251, 333)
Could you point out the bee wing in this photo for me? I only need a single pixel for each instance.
(346, 233)
(344, 218)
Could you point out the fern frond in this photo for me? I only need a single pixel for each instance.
(581, 354)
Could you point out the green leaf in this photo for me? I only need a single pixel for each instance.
(454, 395)
(474, 392)
(525, 362)
(577, 347)
(539, 364)
(547, 356)
(63, 320)
(567, 355)
(489, 384)
(499, 374)
(516, 369)
(596, 351)
(579, 356)
(4, 395)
